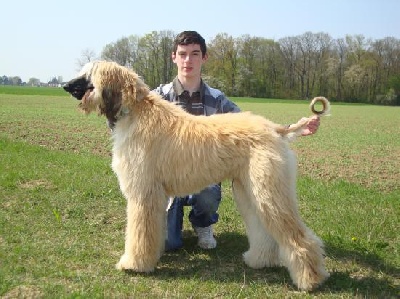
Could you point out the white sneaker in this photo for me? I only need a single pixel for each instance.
(206, 238)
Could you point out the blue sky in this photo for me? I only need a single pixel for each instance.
(43, 39)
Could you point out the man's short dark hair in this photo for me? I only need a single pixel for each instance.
(190, 37)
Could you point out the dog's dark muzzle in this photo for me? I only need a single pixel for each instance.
(78, 87)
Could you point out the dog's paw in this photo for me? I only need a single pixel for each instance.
(129, 263)
(125, 263)
(310, 278)
(257, 261)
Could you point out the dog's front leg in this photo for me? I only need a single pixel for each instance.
(145, 234)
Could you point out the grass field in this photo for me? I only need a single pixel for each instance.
(62, 216)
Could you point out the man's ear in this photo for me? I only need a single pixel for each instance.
(173, 56)
(205, 57)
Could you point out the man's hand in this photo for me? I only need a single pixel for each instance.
(312, 126)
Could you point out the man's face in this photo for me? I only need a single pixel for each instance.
(189, 59)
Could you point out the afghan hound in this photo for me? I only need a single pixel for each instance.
(159, 151)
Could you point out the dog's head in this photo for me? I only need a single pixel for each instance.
(108, 88)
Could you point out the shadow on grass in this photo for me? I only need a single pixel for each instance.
(224, 264)
(371, 279)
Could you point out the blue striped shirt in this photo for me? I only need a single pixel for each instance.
(209, 101)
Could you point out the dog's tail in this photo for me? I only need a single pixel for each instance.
(326, 106)
(292, 131)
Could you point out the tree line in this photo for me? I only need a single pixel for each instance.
(349, 69)
(16, 80)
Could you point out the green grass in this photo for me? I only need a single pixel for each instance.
(62, 216)
(31, 90)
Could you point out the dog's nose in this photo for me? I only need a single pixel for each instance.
(67, 87)
(77, 87)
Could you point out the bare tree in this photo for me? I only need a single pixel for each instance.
(387, 63)
(313, 49)
(166, 48)
(340, 51)
(87, 55)
(288, 50)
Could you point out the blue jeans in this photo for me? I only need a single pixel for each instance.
(204, 213)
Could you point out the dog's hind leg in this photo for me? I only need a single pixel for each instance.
(301, 250)
(263, 249)
(145, 232)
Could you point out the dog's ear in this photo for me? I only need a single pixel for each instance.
(136, 90)
(141, 90)
(112, 101)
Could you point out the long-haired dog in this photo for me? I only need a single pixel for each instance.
(159, 151)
